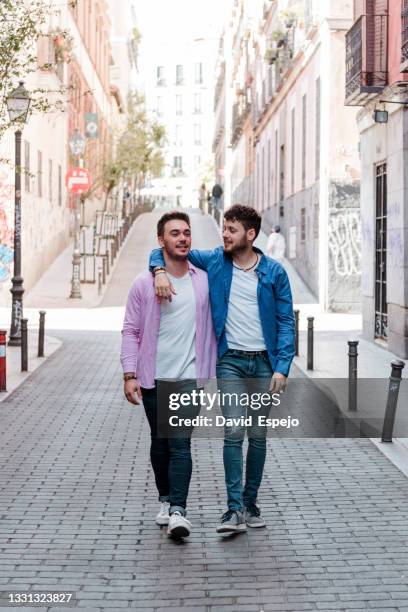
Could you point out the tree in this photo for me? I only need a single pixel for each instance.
(23, 22)
(134, 152)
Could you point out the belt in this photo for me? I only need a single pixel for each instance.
(248, 352)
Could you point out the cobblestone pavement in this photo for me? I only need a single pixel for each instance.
(77, 502)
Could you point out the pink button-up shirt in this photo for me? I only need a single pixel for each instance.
(141, 329)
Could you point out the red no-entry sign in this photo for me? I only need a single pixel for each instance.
(78, 180)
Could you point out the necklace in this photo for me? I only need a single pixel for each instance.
(247, 269)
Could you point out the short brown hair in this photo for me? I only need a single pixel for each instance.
(170, 216)
(246, 215)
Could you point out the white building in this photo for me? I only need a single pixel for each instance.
(179, 86)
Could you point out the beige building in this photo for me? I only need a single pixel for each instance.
(294, 144)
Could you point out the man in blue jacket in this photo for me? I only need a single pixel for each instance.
(252, 312)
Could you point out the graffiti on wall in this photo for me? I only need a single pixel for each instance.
(6, 226)
(345, 241)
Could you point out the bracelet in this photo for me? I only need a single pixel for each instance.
(159, 269)
(127, 377)
(159, 272)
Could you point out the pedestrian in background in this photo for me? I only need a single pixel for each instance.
(276, 245)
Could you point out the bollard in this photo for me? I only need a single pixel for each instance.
(296, 313)
(41, 332)
(112, 251)
(103, 270)
(352, 377)
(24, 345)
(99, 281)
(392, 399)
(3, 360)
(310, 343)
(107, 257)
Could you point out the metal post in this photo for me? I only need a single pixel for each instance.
(296, 313)
(99, 281)
(76, 258)
(24, 345)
(103, 270)
(17, 280)
(3, 360)
(107, 257)
(352, 377)
(41, 332)
(310, 343)
(393, 390)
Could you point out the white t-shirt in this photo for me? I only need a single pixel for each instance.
(276, 246)
(175, 357)
(243, 325)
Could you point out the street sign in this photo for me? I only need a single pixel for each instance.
(91, 125)
(77, 143)
(78, 180)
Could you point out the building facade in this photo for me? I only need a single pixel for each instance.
(179, 84)
(377, 81)
(294, 145)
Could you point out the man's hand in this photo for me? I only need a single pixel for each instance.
(163, 287)
(133, 392)
(278, 383)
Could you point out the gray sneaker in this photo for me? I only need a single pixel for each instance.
(252, 516)
(232, 522)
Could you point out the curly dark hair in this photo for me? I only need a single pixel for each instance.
(246, 215)
(170, 216)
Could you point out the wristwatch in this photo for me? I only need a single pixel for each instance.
(129, 376)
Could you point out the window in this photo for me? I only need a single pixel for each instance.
(179, 74)
(197, 134)
(179, 104)
(160, 76)
(282, 174)
(293, 144)
(50, 179)
(160, 107)
(178, 137)
(318, 120)
(276, 165)
(197, 103)
(27, 165)
(304, 118)
(268, 174)
(197, 161)
(302, 224)
(59, 185)
(39, 174)
(178, 162)
(198, 73)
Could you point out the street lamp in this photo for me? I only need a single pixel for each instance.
(18, 104)
(77, 146)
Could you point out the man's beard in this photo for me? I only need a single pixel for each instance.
(238, 248)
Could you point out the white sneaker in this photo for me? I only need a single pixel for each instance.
(163, 516)
(179, 526)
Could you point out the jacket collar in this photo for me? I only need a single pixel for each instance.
(262, 265)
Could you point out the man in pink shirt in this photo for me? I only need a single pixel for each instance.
(166, 348)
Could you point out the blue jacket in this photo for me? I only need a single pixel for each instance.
(274, 300)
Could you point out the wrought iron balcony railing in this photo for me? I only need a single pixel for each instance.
(366, 59)
(404, 58)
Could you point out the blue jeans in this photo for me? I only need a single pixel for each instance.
(170, 454)
(238, 373)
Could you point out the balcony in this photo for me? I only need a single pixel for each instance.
(404, 54)
(240, 112)
(366, 59)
